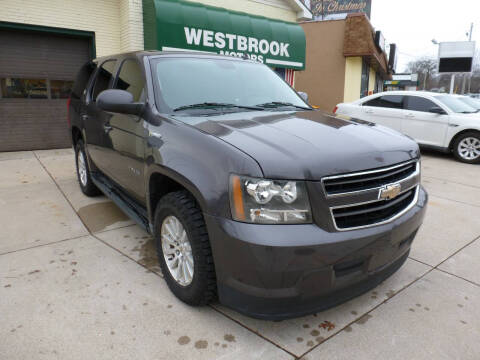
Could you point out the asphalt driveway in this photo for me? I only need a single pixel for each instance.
(78, 280)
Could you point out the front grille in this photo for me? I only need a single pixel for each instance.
(372, 213)
(367, 180)
(363, 199)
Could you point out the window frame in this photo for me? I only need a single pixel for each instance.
(143, 95)
(93, 80)
(406, 103)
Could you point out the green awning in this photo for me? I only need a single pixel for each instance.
(182, 25)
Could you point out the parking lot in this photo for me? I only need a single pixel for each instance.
(78, 280)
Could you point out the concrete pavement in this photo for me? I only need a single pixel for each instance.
(79, 280)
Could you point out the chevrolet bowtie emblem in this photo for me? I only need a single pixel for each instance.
(389, 192)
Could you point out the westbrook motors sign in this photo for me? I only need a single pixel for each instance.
(237, 45)
(185, 26)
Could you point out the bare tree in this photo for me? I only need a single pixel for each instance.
(426, 68)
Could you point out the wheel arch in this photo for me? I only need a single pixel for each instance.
(161, 181)
(76, 135)
(460, 133)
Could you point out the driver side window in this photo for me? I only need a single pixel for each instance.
(417, 103)
(130, 79)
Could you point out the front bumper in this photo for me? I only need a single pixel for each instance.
(282, 271)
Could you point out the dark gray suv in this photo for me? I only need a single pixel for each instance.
(253, 197)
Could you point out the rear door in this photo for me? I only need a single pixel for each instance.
(385, 110)
(425, 127)
(128, 133)
(96, 121)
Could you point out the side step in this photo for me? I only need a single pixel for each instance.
(128, 206)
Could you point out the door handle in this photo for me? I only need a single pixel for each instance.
(369, 111)
(107, 128)
(410, 116)
(84, 117)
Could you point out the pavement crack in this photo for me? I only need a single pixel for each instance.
(46, 244)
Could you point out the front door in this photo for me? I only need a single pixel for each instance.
(425, 127)
(128, 134)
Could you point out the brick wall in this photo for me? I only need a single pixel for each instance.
(273, 9)
(101, 16)
(131, 25)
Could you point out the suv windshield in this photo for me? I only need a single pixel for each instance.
(455, 104)
(193, 84)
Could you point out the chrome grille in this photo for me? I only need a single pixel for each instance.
(367, 180)
(355, 199)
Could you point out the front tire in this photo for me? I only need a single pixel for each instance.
(83, 171)
(466, 147)
(183, 249)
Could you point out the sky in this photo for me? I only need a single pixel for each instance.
(412, 24)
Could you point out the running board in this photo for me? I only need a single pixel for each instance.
(129, 207)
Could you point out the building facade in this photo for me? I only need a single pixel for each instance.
(44, 42)
(346, 58)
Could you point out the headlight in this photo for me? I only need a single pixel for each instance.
(266, 201)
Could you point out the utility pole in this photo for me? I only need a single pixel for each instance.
(465, 75)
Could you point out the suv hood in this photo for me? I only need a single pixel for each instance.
(307, 144)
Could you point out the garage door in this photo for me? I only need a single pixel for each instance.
(36, 73)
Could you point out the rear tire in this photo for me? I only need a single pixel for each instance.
(83, 171)
(181, 233)
(466, 147)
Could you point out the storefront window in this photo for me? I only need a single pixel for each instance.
(280, 72)
(365, 78)
(378, 83)
(60, 89)
(24, 88)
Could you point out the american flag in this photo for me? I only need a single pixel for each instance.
(289, 75)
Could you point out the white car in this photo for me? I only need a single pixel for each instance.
(439, 121)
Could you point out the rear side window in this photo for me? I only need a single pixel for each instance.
(417, 103)
(386, 101)
(81, 81)
(103, 78)
(130, 79)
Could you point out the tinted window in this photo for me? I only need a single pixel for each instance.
(131, 79)
(386, 101)
(82, 79)
(104, 76)
(417, 103)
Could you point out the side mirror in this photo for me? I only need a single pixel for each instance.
(304, 96)
(437, 110)
(119, 101)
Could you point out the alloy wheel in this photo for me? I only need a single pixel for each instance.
(82, 168)
(177, 250)
(469, 148)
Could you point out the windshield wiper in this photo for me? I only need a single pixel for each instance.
(215, 105)
(275, 104)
